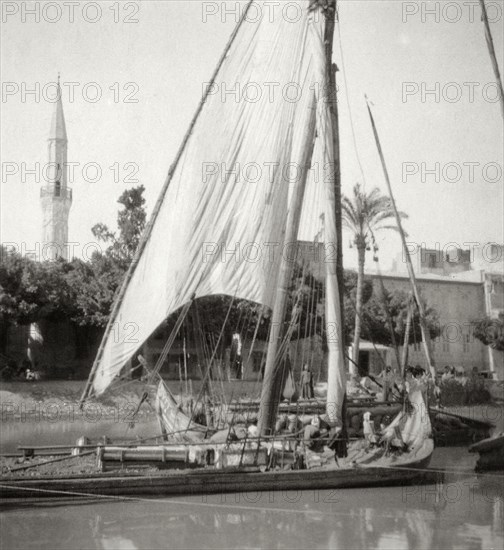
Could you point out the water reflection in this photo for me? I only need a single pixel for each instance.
(464, 512)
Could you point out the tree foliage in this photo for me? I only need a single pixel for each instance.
(490, 331)
(95, 283)
(30, 290)
(82, 292)
(376, 326)
(364, 214)
(123, 243)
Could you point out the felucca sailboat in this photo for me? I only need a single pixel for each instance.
(242, 180)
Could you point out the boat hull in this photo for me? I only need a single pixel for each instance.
(491, 454)
(209, 481)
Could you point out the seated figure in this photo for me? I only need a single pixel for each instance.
(311, 434)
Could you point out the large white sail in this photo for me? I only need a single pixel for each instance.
(219, 229)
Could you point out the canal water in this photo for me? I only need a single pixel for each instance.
(461, 510)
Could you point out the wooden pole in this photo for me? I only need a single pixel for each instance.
(416, 293)
(493, 57)
(332, 93)
(332, 97)
(273, 373)
(405, 350)
(389, 319)
(185, 364)
(148, 229)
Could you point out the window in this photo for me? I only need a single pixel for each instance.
(57, 189)
(446, 347)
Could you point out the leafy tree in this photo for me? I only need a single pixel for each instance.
(376, 325)
(31, 291)
(490, 331)
(94, 284)
(364, 214)
(130, 222)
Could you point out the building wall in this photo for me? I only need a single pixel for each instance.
(457, 303)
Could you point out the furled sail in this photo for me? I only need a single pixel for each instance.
(174, 423)
(219, 228)
(318, 223)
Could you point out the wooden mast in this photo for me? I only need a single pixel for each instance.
(332, 99)
(273, 371)
(416, 293)
(405, 350)
(493, 57)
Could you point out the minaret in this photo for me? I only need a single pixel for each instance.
(55, 196)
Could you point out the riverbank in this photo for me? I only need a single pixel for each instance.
(59, 399)
(50, 398)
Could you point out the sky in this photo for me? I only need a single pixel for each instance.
(424, 65)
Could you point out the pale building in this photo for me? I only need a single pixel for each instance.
(458, 300)
(55, 195)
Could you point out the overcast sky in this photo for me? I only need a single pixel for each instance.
(393, 51)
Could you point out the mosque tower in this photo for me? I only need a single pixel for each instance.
(55, 195)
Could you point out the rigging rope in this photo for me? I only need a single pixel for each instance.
(347, 95)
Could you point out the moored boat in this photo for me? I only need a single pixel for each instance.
(382, 471)
(175, 264)
(491, 453)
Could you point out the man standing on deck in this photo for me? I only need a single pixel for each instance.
(388, 382)
(306, 383)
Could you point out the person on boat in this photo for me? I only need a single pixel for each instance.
(393, 440)
(388, 382)
(281, 423)
(312, 435)
(294, 424)
(369, 430)
(461, 378)
(252, 434)
(306, 383)
(447, 374)
(367, 384)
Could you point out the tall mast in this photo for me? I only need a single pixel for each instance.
(331, 70)
(273, 370)
(416, 293)
(493, 57)
(336, 369)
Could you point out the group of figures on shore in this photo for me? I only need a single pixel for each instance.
(453, 387)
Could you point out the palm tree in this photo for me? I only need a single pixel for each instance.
(364, 214)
